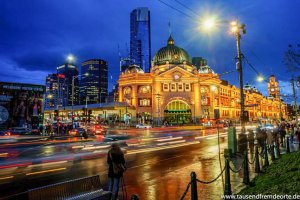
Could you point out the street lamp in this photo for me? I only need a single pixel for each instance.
(70, 58)
(260, 78)
(73, 79)
(237, 29)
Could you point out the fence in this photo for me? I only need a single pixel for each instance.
(274, 152)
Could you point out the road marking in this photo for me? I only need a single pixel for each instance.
(168, 139)
(96, 147)
(45, 171)
(160, 148)
(7, 177)
(173, 142)
(49, 163)
(210, 136)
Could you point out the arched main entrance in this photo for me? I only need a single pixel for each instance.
(178, 112)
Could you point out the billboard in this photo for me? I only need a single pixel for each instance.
(21, 105)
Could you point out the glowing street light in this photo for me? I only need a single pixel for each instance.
(238, 29)
(70, 58)
(260, 78)
(209, 23)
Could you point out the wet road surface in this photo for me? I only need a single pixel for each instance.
(157, 169)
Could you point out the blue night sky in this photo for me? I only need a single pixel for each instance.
(37, 35)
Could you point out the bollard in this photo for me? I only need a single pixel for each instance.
(194, 194)
(257, 166)
(266, 156)
(227, 189)
(272, 152)
(134, 197)
(246, 179)
(287, 145)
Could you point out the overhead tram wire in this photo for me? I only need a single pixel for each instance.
(188, 8)
(172, 7)
(247, 61)
(256, 71)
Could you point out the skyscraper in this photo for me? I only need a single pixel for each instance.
(140, 38)
(93, 88)
(56, 91)
(70, 71)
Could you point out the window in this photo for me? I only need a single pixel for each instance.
(173, 87)
(127, 90)
(144, 89)
(187, 87)
(166, 87)
(144, 102)
(180, 87)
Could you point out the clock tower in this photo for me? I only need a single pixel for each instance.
(273, 87)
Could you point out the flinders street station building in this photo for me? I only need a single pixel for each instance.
(175, 91)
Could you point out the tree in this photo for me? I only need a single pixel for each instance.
(292, 58)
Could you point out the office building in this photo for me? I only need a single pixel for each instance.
(56, 91)
(93, 82)
(70, 71)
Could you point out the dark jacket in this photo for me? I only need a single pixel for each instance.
(118, 158)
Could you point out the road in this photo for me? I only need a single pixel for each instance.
(159, 163)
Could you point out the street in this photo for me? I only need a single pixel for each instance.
(159, 162)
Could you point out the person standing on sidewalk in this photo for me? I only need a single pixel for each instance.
(116, 162)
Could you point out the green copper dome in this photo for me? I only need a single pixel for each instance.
(172, 54)
(133, 69)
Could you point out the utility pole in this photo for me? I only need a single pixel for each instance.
(237, 28)
(295, 99)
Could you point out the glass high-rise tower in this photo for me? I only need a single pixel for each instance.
(70, 71)
(93, 87)
(140, 38)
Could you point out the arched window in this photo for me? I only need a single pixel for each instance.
(177, 105)
(127, 90)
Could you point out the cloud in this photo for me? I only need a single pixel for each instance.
(21, 75)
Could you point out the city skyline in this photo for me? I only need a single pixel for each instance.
(27, 58)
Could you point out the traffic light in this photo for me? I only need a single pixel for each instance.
(89, 115)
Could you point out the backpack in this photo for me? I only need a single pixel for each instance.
(117, 168)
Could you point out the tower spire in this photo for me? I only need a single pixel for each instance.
(170, 29)
(170, 40)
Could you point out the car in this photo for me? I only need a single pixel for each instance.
(20, 131)
(143, 126)
(6, 133)
(97, 130)
(77, 132)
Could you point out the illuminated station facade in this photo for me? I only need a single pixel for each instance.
(175, 91)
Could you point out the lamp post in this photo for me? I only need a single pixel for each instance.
(239, 29)
(194, 117)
